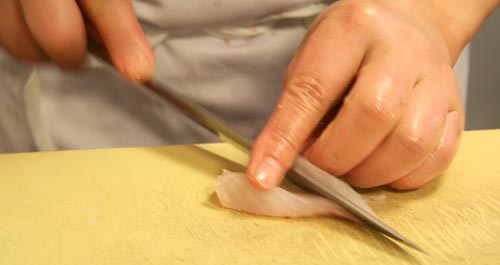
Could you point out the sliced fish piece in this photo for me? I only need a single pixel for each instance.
(235, 191)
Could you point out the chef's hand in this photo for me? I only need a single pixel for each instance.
(370, 95)
(34, 30)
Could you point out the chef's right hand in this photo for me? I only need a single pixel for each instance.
(34, 31)
(370, 95)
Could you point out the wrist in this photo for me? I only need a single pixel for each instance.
(457, 20)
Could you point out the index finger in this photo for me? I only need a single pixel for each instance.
(117, 25)
(318, 76)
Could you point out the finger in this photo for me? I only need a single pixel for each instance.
(322, 70)
(440, 159)
(117, 26)
(410, 143)
(92, 32)
(14, 34)
(57, 26)
(369, 113)
(329, 116)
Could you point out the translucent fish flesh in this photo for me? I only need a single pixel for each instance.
(234, 191)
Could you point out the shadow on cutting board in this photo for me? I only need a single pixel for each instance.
(202, 158)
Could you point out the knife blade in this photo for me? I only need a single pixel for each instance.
(303, 172)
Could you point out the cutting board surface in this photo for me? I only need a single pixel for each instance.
(157, 206)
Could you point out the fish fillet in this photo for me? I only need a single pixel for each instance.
(234, 191)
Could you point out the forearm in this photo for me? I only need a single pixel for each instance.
(458, 20)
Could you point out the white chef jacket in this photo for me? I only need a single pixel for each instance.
(229, 56)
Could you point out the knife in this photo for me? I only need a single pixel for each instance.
(303, 173)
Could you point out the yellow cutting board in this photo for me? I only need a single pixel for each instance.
(157, 206)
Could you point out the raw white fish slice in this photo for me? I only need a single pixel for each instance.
(234, 191)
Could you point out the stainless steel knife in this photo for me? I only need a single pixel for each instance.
(303, 173)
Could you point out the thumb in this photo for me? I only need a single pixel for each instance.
(119, 30)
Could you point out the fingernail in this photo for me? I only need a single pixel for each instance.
(135, 61)
(268, 173)
(138, 66)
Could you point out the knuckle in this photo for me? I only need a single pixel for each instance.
(435, 165)
(308, 94)
(283, 140)
(372, 109)
(443, 157)
(337, 165)
(413, 144)
(362, 181)
(358, 13)
(407, 183)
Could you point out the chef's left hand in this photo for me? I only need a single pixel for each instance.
(370, 96)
